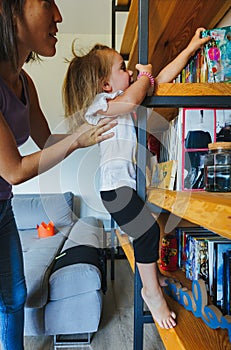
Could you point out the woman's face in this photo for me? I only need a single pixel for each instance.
(120, 78)
(36, 30)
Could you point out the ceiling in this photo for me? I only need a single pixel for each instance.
(88, 17)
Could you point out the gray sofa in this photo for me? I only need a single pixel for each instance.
(67, 299)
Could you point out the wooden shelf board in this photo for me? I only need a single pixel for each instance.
(193, 89)
(123, 2)
(210, 210)
(182, 337)
(192, 333)
(127, 248)
(189, 89)
(130, 29)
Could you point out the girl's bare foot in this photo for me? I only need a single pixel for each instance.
(159, 309)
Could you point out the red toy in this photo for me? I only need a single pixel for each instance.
(168, 256)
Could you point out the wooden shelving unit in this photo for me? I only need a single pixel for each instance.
(191, 333)
(156, 31)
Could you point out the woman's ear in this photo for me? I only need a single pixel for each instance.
(107, 87)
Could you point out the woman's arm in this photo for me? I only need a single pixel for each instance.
(16, 169)
(170, 72)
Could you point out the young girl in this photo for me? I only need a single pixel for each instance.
(98, 85)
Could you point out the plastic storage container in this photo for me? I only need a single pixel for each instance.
(218, 167)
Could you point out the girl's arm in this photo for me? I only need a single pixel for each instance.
(168, 73)
(132, 96)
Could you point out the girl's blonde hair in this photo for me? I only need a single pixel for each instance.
(84, 80)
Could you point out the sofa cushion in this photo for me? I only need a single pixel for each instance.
(32, 209)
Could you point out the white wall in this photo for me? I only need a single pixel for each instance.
(77, 173)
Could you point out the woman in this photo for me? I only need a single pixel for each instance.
(27, 28)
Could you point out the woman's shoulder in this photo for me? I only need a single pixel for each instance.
(26, 77)
(30, 87)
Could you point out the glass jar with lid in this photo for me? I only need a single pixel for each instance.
(217, 165)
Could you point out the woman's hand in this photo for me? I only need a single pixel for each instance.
(88, 135)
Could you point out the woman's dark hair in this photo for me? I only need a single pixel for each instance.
(8, 40)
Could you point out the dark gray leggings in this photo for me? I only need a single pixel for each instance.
(134, 218)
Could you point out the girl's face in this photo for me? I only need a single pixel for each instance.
(120, 78)
(36, 31)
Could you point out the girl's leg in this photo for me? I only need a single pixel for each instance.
(146, 249)
(134, 218)
(12, 281)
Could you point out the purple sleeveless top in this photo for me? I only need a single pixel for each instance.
(16, 114)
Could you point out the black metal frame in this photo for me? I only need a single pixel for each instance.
(188, 101)
(116, 8)
(71, 340)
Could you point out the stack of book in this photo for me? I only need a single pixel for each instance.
(206, 255)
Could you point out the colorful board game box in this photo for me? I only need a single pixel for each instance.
(182, 234)
(197, 264)
(218, 54)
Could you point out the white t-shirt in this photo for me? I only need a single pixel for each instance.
(117, 154)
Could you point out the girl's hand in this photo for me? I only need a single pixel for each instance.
(144, 68)
(148, 69)
(88, 135)
(197, 42)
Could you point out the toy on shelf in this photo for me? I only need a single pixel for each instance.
(218, 54)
